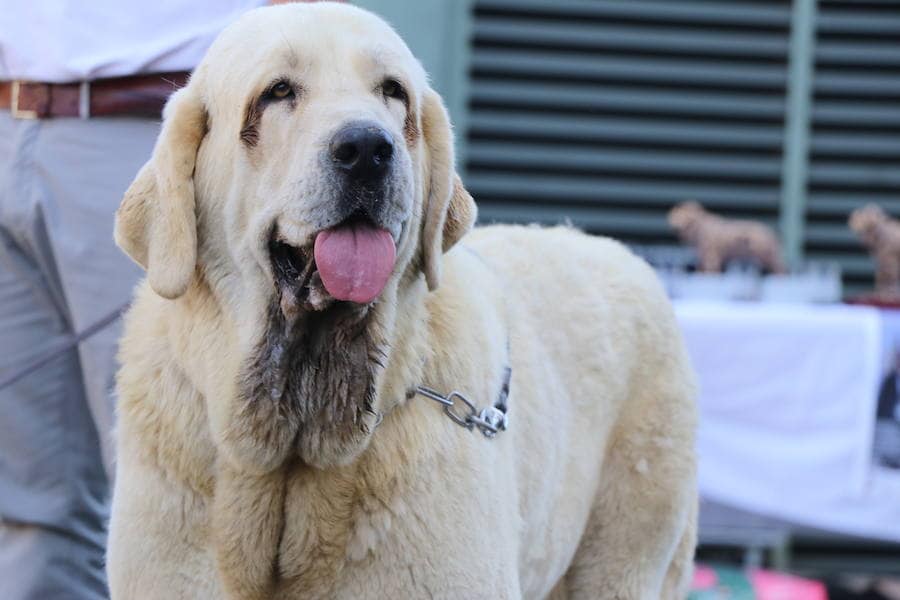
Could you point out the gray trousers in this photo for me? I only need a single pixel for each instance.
(60, 183)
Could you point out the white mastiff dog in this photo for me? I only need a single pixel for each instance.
(309, 270)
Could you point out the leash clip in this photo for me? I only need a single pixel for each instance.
(494, 420)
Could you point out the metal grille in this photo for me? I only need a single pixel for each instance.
(855, 143)
(606, 113)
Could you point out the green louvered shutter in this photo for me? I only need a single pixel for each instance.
(608, 112)
(855, 143)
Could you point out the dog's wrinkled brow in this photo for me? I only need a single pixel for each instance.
(381, 64)
(250, 127)
(381, 61)
(253, 113)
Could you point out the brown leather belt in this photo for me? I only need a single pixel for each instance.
(136, 96)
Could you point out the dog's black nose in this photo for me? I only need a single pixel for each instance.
(362, 151)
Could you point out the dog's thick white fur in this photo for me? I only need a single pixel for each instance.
(250, 461)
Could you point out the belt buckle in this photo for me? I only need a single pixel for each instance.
(14, 109)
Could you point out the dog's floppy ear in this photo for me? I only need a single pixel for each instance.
(156, 224)
(450, 211)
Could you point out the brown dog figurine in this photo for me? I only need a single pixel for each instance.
(718, 240)
(881, 235)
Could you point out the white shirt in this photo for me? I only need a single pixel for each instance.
(75, 40)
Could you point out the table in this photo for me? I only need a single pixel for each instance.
(787, 403)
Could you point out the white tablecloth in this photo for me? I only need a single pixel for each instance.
(787, 405)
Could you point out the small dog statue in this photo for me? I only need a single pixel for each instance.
(718, 240)
(881, 235)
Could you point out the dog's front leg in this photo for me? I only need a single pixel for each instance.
(157, 534)
(248, 519)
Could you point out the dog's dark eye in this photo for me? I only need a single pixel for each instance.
(280, 91)
(392, 89)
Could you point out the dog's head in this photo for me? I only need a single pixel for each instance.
(684, 217)
(306, 175)
(303, 123)
(865, 222)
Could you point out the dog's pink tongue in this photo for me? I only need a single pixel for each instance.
(355, 261)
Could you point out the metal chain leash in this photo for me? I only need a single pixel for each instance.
(489, 420)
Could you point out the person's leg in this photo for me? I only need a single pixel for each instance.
(52, 484)
(86, 166)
